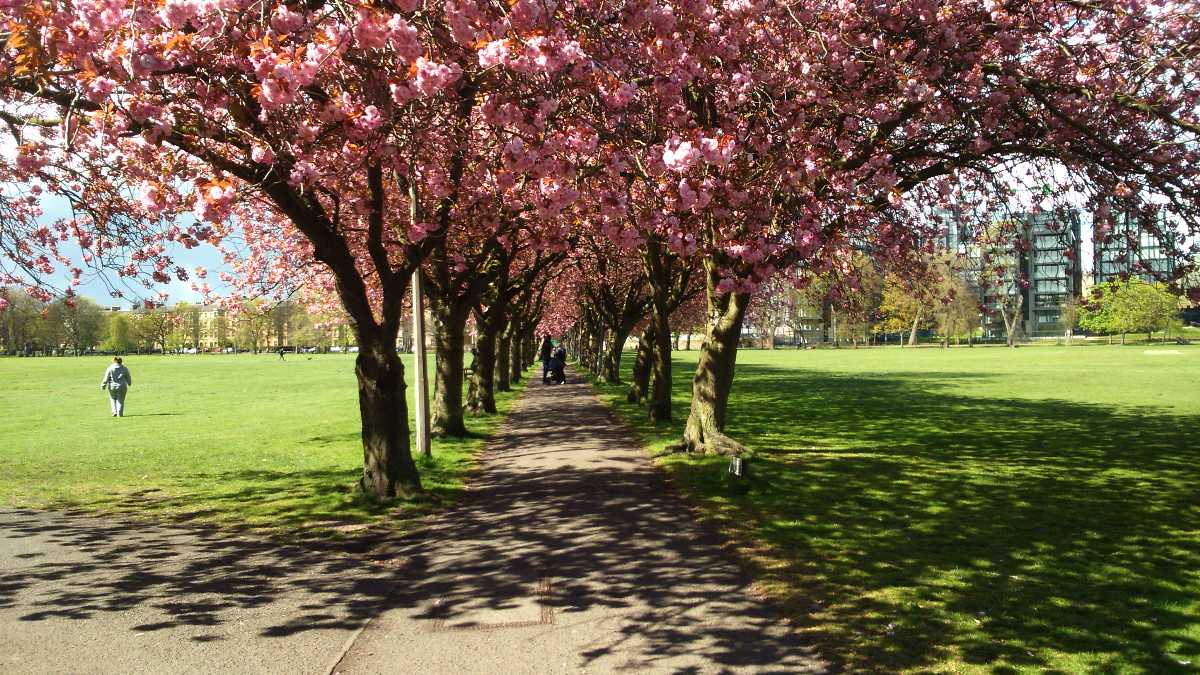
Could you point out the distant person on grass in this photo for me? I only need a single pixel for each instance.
(117, 381)
(545, 354)
(281, 354)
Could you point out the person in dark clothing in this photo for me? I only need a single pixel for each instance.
(544, 354)
(558, 364)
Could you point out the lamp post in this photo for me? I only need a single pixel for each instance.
(422, 411)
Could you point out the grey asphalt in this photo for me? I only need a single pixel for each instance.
(569, 555)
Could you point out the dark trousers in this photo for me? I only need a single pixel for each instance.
(545, 371)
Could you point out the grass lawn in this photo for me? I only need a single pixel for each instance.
(970, 510)
(239, 440)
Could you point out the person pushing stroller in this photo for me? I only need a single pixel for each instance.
(557, 365)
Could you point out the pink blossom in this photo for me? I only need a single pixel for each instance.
(176, 13)
(302, 174)
(687, 196)
(262, 154)
(620, 97)
(403, 38)
(418, 231)
(31, 158)
(284, 20)
(493, 53)
(717, 151)
(371, 119)
(369, 31)
(679, 155)
(274, 93)
(434, 77)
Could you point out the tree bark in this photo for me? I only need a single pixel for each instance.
(598, 347)
(912, 336)
(612, 359)
(658, 276)
(515, 363)
(704, 432)
(641, 367)
(1011, 322)
(485, 368)
(503, 359)
(388, 467)
(447, 414)
(659, 406)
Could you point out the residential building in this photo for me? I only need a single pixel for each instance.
(1133, 248)
(1049, 261)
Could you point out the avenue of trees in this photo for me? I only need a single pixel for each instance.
(597, 169)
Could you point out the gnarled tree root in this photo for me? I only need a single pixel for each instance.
(715, 443)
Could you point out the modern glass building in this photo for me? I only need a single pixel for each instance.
(1052, 266)
(1050, 261)
(1133, 249)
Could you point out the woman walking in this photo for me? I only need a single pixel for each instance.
(117, 381)
(544, 353)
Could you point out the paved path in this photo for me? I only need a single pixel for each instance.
(84, 595)
(572, 557)
(568, 556)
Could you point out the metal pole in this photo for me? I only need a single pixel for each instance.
(421, 378)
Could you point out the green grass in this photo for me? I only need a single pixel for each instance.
(246, 441)
(970, 510)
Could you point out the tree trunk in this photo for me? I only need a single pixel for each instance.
(688, 345)
(596, 347)
(485, 368)
(388, 468)
(612, 359)
(659, 406)
(641, 367)
(503, 359)
(447, 414)
(515, 363)
(473, 403)
(1011, 321)
(704, 432)
(912, 336)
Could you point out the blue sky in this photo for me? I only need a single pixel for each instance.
(98, 288)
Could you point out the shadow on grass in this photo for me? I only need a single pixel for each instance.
(294, 504)
(912, 527)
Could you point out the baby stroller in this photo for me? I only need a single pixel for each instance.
(558, 364)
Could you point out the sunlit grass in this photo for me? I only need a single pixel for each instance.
(248, 441)
(970, 510)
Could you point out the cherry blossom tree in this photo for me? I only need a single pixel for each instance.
(734, 139)
(327, 132)
(792, 133)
